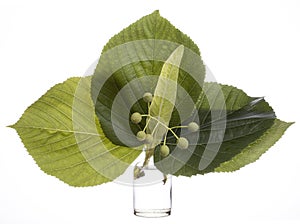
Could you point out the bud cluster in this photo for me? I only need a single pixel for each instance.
(147, 138)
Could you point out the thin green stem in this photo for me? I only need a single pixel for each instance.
(147, 123)
(154, 118)
(179, 127)
(165, 139)
(169, 129)
(148, 104)
(149, 154)
(159, 122)
(176, 136)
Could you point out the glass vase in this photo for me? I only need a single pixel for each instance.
(152, 191)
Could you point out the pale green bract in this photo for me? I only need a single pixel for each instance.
(47, 131)
(165, 96)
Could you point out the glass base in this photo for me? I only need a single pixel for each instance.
(152, 213)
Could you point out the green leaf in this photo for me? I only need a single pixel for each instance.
(164, 99)
(221, 138)
(130, 65)
(253, 151)
(63, 135)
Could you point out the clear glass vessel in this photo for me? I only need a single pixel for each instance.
(152, 192)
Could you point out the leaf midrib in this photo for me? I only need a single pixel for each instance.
(54, 129)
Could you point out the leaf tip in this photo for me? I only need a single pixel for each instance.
(180, 48)
(11, 126)
(156, 12)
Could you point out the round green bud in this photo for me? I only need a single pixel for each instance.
(164, 150)
(149, 138)
(141, 135)
(136, 118)
(193, 127)
(147, 97)
(182, 143)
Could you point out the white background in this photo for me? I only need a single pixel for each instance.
(250, 44)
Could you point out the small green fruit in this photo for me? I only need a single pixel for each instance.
(149, 138)
(147, 97)
(193, 127)
(182, 143)
(141, 135)
(164, 150)
(136, 118)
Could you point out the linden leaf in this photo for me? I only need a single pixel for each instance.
(130, 65)
(63, 135)
(232, 126)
